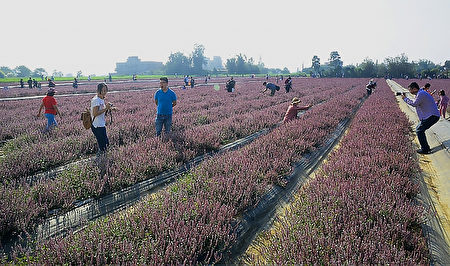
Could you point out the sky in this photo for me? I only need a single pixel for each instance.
(93, 35)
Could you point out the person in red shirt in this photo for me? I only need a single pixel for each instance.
(293, 109)
(51, 109)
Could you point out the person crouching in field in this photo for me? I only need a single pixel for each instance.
(98, 112)
(272, 87)
(51, 109)
(165, 100)
(426, 111)
(293, 109)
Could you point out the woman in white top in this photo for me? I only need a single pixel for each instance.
(98, 111)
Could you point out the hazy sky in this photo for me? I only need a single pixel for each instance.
(93, 35)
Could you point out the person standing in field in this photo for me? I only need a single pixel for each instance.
(192, 82)
(443, 103)
(230, 85)
(51, 109)
(30, 83)
(272, 87)
(426, 111)
(22, 83)
(165, 100)
(98, 113)
(288, 84)
(51, 83)
(293, 109)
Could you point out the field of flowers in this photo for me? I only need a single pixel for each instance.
(359, 209)
(193, 220)
(89, 87)
(203, 121)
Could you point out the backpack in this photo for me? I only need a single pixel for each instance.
(86, 118)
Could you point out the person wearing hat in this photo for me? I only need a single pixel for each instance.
(293, 109)
(49, 103)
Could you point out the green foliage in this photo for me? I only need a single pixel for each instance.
(22, 71)
(38, 72)
(178, 63)
(242, 65)
(2, 75)
(198, 59)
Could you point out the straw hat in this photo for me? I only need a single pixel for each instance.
(295, 100)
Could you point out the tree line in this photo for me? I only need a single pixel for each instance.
(391, 67)
(193, 64)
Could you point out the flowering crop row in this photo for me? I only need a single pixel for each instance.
(134, 162)
(359, 209)
(192, 220)
(32, 151)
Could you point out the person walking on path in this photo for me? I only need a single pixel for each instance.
(98, 113)
(51, 109)
(22, 84)
(293, 109)
(288, 84)
(443, 103)
(30, 83)
(426, 111)
(165, 100)
(186, 81)
(272, 87)
(230, 85)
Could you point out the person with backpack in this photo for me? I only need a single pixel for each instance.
(230, 85)
(272, 87)
(288, 84)
(98, 111)
(49, 103)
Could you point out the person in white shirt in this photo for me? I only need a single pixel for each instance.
(98, 111)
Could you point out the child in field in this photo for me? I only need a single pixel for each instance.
(442, 103)
(293, 109)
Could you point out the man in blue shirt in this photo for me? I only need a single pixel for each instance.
(426, 111)
(165, 100)
(272, 87)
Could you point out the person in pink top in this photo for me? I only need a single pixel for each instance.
(293, 109)
(443, 103)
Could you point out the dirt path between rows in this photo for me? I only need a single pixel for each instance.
(435, 166)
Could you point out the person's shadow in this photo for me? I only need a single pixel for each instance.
(440, 147)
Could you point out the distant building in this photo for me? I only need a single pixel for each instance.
(134, 65)
(216, 63)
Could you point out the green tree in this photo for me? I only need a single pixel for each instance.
(399, 66)
(7, 71)
(231, 66)
(336, 64)
(2, 75)
(285, 71)
(178, 63)
(198, 59)
(316, 64)
(22, 71)
(367, 69)
(349, 71)
(38, 72)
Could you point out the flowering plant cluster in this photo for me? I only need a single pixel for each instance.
(141, 155)
(359, 209)
(193, 220)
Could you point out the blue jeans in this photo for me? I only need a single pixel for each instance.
(102, 138)
(50, 121)
(420, 131)
(163, 120)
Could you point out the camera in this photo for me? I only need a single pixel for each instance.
(399, 93)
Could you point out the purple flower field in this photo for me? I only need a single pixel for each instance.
(192, 221)
(203, 121)
(359, 209)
